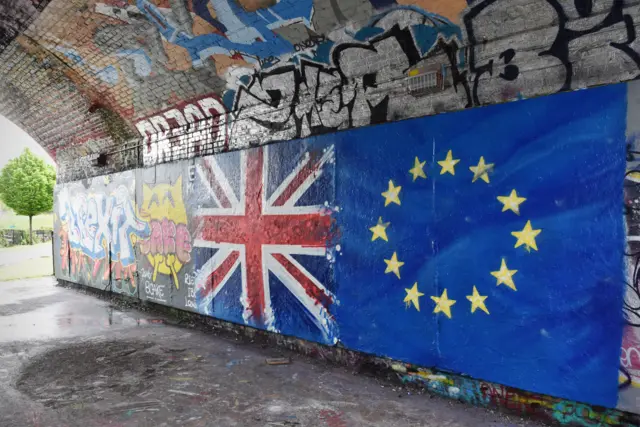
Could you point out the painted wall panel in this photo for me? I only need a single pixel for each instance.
(489, 242)
(97, 232)
(630, 355)
(164, 258)
(495, 255)
(263, 244)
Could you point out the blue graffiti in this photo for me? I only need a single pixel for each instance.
(381, 4)
(251, 34)
(417, 41)
(108, 74)
(255, 36)
(426, 35)
(98, 223)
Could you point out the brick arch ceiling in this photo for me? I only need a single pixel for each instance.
(89, 77)
(78, 75)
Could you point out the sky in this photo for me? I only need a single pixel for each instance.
(14, 140)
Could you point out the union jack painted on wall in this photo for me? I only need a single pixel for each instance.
(265, 222)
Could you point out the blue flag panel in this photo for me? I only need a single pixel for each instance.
(489, 242)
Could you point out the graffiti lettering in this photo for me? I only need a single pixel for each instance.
(190, 300)
(584, 415)
(309, 43)
(97, 232)
(630, 357)
(154, 291)
(269, 61)
(523, 403)
(563, 34)
(630, 353)
(312, 98)
(190, 303)
(193, 128)
(167, 239)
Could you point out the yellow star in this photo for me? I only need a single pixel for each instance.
(527, 237)
(505, 276)
(443, 304)
(512, 201)
(393, 265)
(380, 230)
(413, 296)
(392, 194)
(477, 301)
(481, 171)
(418, 169)
(448, 164)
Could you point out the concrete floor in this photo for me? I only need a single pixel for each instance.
(72, 359)
(17, 254)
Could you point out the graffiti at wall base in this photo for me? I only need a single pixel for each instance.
(521, 403)
(473, 227)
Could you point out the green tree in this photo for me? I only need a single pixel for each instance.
(26, 186)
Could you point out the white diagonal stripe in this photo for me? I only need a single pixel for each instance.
(328, 155)
(211, 265)
(319, 314)
(285, 184)
(309, 276)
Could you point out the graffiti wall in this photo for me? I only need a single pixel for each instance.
(489, 242)
(173, 79)
(630, 355)
(165, 257)
(97, 233)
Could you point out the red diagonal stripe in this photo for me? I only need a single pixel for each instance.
(309, 287)
(219, 273)
(311, 167)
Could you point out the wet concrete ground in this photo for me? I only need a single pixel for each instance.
(72, 359)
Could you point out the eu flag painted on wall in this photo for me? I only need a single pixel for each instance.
(490, 242)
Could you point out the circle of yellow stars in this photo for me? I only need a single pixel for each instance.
(504, 276)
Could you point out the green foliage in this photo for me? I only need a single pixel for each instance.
(26, 185)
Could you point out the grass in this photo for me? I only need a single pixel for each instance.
(11, 220)
(35, 267)
(23, 262)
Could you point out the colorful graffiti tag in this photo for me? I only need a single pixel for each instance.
(630, 354)
(168, 247)
(104, 236)
(288, 69)
(480, 393)
(98, 231)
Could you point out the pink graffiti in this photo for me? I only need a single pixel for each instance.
(630, 356)
(167, 238)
